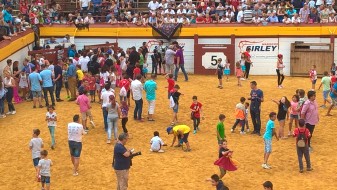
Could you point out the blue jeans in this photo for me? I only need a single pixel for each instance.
(137, 113)
(58, 87)
(52, 134)
(105, 118)
(177, 70)
(2, 106)
(51, 93)
(112, 125)
(255, 114)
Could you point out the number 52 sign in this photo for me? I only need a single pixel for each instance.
(210, 59)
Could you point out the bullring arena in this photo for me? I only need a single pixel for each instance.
(301, 44)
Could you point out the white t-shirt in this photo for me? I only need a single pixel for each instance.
(137, 89)
(105, 97)
(105, 76)
(75, 132)
(85, 3)
(83, 61)
(51, 116)
(45, 167)
(36, 145)
(113, 78)
(156, 143)
(153, 6)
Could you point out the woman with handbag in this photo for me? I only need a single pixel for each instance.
(279, 70)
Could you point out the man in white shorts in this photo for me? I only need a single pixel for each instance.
(150, 88)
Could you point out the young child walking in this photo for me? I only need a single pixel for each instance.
(51, 119)
(92, 86)
(326, 82)
(313, 76)
(65, 79)
(124, 113)
(220, 71)
(174, 103)
(240, 116)
(302, 135)
(238, 72)
(227, 71)
(220, 129)
(84, 103)
(35, 145)
(171, 83)
(23, 84)
(267, 137)
(44, 170)
(156, 143)
(282, 114)
(294, 113)
(196, 113)
(225, 161)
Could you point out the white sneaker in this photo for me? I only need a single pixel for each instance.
(13, 112)
(242, 79)
(242, 132)
(247, 130)
(9, 113)
(232, 130)
(75, 174)
(161, 151)
(265, 166)
(2, 116)
(151, 150)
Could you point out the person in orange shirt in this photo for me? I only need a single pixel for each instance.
(240, 116)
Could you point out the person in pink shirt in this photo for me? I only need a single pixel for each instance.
(84, 103)
(310, 114)
(294, 115)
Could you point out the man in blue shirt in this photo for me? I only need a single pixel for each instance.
(333, 95)
(256, 97)
(58, 80)
(122, 161)
(71, 74)
(150, 88)
(35, 87)
(47, 85)
(72, 50)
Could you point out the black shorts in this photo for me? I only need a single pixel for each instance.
(92, 92)
(75, 148)
(66, 84)
(220, 73)
(185, 138)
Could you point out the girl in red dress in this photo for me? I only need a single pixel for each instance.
(225, 161)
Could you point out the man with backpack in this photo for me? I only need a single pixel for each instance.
(302, 135)
(93, 66)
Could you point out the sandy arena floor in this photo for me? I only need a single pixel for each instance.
(173, 169)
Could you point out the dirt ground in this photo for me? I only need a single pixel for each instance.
(173, 169)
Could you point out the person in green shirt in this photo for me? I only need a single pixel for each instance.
(326, 82)
(220, 129)
(141, 60)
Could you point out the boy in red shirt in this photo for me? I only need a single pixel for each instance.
(196, 113)
(136, 71)
(171, 83)
(302, 135)
(91, 86)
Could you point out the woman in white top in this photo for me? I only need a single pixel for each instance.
(279, 70)
(286, 19)
(9, 83)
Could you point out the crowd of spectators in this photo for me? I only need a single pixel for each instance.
(165, 11)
